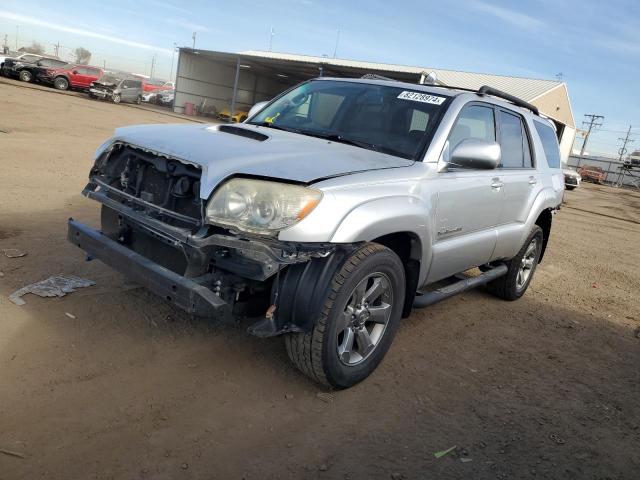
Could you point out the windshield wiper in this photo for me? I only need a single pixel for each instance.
(335, 137)
(277, 127)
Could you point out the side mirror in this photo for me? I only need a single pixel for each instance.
(476, 153)
(256, 108)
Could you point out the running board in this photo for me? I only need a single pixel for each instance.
(429, 298)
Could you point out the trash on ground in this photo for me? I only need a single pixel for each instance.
(56, 286)
(13, 454)
(1, 274)
(465, 459)
(556, 438)
(70, 315)
(13, 252)
(442, 453)
(325, 397)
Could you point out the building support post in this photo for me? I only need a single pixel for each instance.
(235, 90)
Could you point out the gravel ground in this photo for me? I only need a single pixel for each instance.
(545, 387)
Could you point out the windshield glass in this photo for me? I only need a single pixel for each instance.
(384, 118)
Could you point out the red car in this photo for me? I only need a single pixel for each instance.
(73, 76)
(156, 85)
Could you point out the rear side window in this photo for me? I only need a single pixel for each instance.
(475, 121)
(549, 144)
(514, 142)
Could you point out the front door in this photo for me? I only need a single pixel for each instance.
(469, 202)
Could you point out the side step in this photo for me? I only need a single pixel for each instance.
(429, 298)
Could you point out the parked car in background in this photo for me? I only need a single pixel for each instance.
(8, 62)
(117, 87)
(149, 97)
(72, 76)
(165, 98)
(29, 72)
(572, 178)
(592, 174)
(237, 117)
(151, 85)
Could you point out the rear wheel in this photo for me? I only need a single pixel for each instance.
(521, 268)
(25, 75)
(139, 100)
(358, 321)
(61, 83)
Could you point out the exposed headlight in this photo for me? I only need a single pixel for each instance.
(260, 206)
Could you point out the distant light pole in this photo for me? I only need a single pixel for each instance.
(273, 32)
(335, 50)
(17, 30)
(173, 53)
(194, 41)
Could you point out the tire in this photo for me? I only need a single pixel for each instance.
(570, 187)
(316, 354)
(61, 83)
(138, 100)
(116, 98)
(511, 286)
(25, 76)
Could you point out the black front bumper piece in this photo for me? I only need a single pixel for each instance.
(186, 293)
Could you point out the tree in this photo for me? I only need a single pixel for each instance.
(83, 55)
(35, 47)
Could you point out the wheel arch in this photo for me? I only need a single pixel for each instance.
(544, 221)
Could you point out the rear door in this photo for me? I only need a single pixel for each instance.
(469, 202)
(520, 179)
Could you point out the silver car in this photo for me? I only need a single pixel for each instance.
(331, 212)
(117, 88)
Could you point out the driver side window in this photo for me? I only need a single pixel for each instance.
(475, 121)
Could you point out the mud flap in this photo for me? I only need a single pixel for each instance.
(299, 292)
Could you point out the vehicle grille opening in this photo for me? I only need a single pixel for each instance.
(163, 188)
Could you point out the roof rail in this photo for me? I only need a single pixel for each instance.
(486, 90)
(374, 76)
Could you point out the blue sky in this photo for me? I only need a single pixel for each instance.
(596, 45)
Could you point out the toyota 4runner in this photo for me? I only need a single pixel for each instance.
(331, 212)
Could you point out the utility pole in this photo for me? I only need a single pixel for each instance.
(56, 48)
(5, 47)
(173, 52)
(17, 31)
(335, 49)
(273, 32)
(194, 41)
(153, 64)
(626, 140)
(592, 123)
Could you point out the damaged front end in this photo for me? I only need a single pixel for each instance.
(103, 90)
(153, 230)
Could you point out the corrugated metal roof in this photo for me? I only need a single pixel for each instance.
(526, 88)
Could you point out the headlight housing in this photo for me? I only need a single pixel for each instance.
(261, 206)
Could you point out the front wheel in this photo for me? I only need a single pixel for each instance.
(570, 187)
(116, 98)
(139, 100)
(514, 283)
(25, 75)
(358, 321)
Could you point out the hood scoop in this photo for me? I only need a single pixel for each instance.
(243, 132)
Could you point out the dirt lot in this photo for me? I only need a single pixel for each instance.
(546, 387)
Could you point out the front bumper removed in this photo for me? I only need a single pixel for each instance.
(186, 293)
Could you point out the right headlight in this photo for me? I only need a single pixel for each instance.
(261, 206)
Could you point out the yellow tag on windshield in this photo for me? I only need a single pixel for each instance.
(272, 119)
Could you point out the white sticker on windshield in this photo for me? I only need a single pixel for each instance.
(421, 97)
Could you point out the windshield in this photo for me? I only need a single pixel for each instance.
(383, 118)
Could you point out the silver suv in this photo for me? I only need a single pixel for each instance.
(331, 212)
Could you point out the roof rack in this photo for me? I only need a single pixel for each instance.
(486, 90)
(374, 76)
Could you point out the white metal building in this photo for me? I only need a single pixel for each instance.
(235, 81)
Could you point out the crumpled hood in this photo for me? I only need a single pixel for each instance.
(283, 155)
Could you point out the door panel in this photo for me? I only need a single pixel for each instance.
(467, 212)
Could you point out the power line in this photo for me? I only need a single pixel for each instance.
(592, 123)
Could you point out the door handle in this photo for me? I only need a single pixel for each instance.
(496, 184)
(533, 181)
